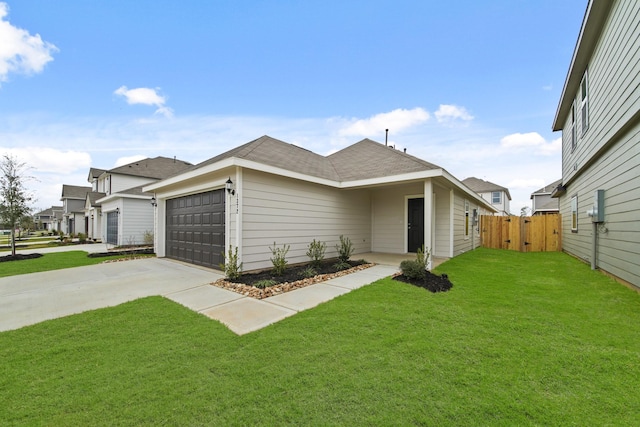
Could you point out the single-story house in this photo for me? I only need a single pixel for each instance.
(270, 192)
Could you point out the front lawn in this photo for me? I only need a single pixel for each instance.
(52, 261)
(521, 339)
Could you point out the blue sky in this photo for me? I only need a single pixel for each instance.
(471, 86)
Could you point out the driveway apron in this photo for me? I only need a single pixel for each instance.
(31, 298)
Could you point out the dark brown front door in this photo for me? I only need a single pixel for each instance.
(415, 224)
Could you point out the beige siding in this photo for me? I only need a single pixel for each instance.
(287, 211)
(137, 218)
(461, 243)
(442, 245)
(608, 156)
(614, 78)
(616, 172)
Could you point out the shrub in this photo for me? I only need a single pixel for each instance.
(308, 273)
(147, 237)
(412, 269)
(230, 266)
(341, 265)
(422, 257)
(279, 259)
(315, 252)
(265, 283)
(82, 238)
(345, 249)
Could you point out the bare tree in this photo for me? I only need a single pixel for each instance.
(14, 197)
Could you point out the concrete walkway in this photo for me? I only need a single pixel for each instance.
(32, 298)
(244, 314)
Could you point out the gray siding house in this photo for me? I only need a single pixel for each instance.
(541, 201)
(599, 116)
(270, 191)
(73, 198)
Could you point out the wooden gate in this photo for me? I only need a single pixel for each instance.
(525, 234)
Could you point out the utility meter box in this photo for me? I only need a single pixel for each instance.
(598, 206)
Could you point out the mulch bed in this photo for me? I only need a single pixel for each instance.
(19, 257)
(432, 282)
(288, 282)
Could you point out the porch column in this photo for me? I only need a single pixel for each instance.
(428, 218)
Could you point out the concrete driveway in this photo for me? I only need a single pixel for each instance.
(31, 298)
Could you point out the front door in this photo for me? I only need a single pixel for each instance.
(415, 224)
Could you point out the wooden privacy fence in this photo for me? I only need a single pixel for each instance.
(524, 234)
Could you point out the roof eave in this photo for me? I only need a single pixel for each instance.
(595, 15)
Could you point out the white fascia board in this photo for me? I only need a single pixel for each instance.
(114, 196)
(384, 180)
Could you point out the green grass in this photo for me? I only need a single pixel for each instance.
(521, 339)
(51, 261)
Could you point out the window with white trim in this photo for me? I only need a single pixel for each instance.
(574, 213)
(496, 198)
(584, 104)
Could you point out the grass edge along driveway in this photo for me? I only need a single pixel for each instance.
(521, 339)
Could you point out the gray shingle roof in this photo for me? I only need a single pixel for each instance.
(547, 189)
(363, 160)
(93, 196)
(95, 173)
(74, 192)
(481, 186)
(369, 159)
(158, 168)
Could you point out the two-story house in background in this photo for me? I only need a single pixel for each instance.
(495, 194)
(599, 116)
(73, 198)
(120, 210)
(541, 201)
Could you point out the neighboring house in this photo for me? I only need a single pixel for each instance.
(122, 214)
(93, 215)
(495, 194)
(48, 219)
(599, 115)
(73, 197)
(282, 194)
(541, 201)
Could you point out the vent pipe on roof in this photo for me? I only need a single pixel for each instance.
(386, 137)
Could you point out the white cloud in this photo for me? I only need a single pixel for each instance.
(20, 52)
(396, 121)
(121, 161)
(531, 141)
(450, 113)
(47, 160)
(145, 96)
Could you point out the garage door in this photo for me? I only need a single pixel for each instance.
(195, 228)
(112, 228)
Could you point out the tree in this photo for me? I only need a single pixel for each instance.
(524, 211)
(14, 198)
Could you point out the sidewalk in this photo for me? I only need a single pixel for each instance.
(244, 314)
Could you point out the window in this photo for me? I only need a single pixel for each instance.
(574, 213)
(573, 127)
(466, 219)
(495, 198)
(584, 104)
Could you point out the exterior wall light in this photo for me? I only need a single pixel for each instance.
(230, 187)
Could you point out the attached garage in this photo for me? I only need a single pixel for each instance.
(195, 228)
(112, 228)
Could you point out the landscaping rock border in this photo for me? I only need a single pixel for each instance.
(281, 288)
